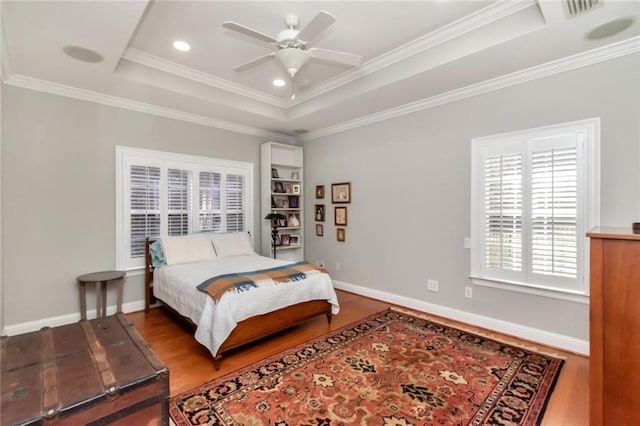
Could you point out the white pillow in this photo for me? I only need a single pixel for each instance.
(187, 249)
(232, 244)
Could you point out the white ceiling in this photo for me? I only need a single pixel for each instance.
(414, 53)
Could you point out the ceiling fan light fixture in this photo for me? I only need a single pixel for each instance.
(292, 59)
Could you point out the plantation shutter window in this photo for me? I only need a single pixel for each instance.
(210, 216)
(554, 212)
(503, 212)
(535, 194)
(235, 203)
(145, 207)
(165, 194)
(179, 201)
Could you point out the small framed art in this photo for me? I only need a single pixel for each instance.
(319, 191)
(340, 216)
(295, 176)
(293, 201)
(341, 192)
(341, 234)
(319, 212)
(319, 230)
(287, 188)
(294, 240)
(285, 239)
(274, 173)
(296, 189)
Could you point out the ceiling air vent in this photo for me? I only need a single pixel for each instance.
(578, 7)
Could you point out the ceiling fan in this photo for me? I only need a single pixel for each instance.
(293, 44)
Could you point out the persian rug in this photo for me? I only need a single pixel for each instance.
(392, 368)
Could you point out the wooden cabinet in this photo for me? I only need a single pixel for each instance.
(282, 192)
(614, 364)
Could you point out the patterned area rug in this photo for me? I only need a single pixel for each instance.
(391, 368)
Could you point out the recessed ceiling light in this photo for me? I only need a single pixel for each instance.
(610, 28)
(278, 82)
(182, 46)
(83, 54)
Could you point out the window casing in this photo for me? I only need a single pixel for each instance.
(161, 193)
(535, 194)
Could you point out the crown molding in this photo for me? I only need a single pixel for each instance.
(26, 82)
(428, 41)
(155, 62)
(602, 54)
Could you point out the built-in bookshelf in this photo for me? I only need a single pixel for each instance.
(281, 192)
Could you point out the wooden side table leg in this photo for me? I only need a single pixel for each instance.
(98, 299)
(83, 302)
(119, 306)
(103, 284)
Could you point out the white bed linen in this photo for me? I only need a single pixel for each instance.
(176, 285)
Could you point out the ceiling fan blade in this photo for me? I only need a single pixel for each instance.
(335, 56)
(254, 62)
(249, 31)
(316, 26)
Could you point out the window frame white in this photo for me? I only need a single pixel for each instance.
(588, 153)
(127, 156)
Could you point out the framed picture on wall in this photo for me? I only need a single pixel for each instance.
(319, 215)
(319, 191)
(341, 192)
(341, 234)
(319, 230)
(340, 216)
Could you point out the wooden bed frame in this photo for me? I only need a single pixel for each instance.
(252, 328)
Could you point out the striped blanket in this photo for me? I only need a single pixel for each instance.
(240, 282)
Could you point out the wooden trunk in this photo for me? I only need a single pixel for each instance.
(91, 372)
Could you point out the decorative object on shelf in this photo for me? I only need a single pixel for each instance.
(341, 192)
(274, 173)
(293, 201)
(278, 188)
(340, 216)
(294, 240)
(287, 188)
(275, 218)
(285, 239)
(293, 221)
(319, 191)
(295, 176)
(320, 212)
(273, 203)
(282, 203)
(296, 189)
(341, 234)
(319, 230)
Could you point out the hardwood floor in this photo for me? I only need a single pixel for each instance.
(191, 365)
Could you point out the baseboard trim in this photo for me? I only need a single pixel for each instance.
(27, 327)
(544, 337)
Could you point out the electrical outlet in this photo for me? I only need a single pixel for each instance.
(320, 263)
(432, 285)
(338, 266)
(468, 292)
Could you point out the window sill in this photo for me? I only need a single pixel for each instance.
(553, 293)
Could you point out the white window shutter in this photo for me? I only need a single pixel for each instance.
(235, 203)
(145, 207)
(554, 210)
(503, 227)
(209, 201)
(179, 201)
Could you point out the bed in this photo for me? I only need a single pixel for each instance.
(238, 317)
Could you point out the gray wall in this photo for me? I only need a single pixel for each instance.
(410, 180)
(58, 192)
